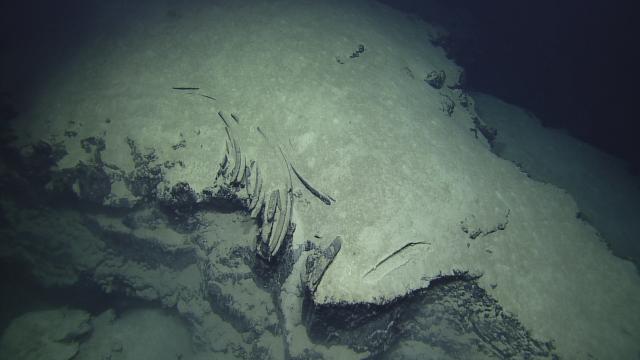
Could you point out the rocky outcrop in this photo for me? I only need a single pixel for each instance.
(454, 316)
(47, 334)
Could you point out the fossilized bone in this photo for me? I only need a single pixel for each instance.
(272, 205)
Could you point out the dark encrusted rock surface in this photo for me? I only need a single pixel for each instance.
(453, 315)
(436, 78)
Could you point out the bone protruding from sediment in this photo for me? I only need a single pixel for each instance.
(317, 193)
(277, 238)
(272, 206)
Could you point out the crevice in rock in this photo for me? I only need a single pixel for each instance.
(455, 307)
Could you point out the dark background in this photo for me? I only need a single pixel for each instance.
(574, 64)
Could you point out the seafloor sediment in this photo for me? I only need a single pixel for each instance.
(300, 184)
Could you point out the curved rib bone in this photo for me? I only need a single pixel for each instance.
(267, 193)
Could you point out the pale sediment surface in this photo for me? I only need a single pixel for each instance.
(301, 179)
(606, 193)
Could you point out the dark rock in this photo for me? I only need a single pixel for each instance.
(488, 132)
(183, 198)
(464, 99)
(182, 143)
(28, 171)
(144, 180)
(274, 272)
(93, 183)
(358, 52)
(181, 204)
(453, 314)
(93, 144)
(37, 160)
(363, 327)
(436, 79)
(447, 105)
